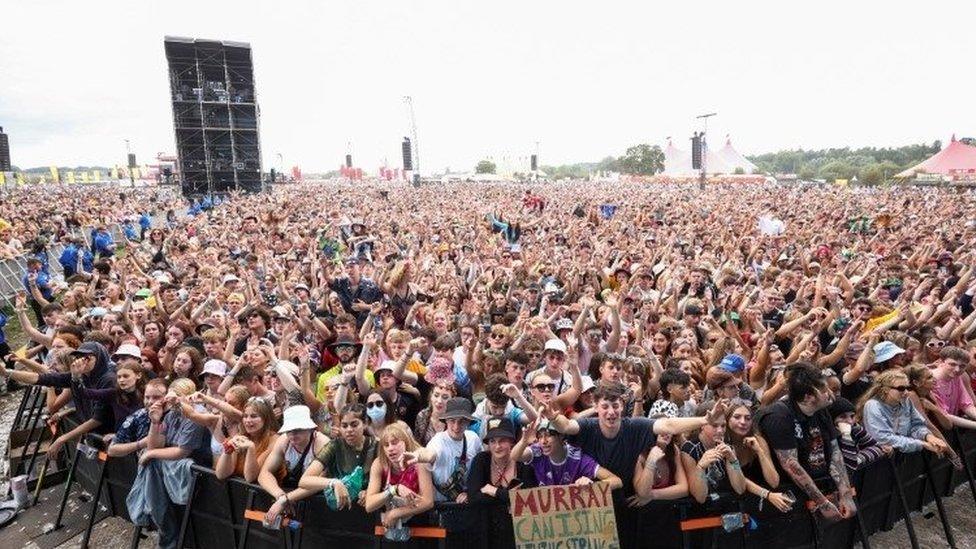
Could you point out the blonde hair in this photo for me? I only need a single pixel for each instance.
(877, 390)
(183, 386)
(240, 394)
(398, 432)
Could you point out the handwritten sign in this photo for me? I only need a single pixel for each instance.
(564, 517)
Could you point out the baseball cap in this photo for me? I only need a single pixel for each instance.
(555, 345)
(733, 363)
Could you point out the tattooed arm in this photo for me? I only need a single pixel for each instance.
(790, 463)
(839, 473)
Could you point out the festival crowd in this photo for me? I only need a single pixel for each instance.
(393, 347)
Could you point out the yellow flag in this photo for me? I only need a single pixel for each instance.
(135, 172)
(71, 178)
(3, 179)
(54, 173)
(114, 173)
(20, 178)
(84, 177)
(96, 175)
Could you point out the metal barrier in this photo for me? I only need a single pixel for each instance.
(228, 511)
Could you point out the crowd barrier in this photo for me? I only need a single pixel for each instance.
(12, 270)
(221, 512)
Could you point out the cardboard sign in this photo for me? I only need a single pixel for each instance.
(564, 517)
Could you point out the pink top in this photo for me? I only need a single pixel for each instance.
(951, 395)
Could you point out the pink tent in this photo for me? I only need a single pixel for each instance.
(955, 158)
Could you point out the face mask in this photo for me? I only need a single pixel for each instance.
(376, 413)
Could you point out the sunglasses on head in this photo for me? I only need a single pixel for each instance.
(545, 387)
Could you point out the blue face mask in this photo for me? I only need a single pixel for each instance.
(376, 413)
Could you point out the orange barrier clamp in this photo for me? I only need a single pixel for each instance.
(431, 532)
(707, 522)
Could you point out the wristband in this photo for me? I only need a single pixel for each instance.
(391, 491)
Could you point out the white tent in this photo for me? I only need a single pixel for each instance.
(678, 162)
(734, 160)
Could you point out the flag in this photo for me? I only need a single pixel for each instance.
(114, 173)
(84, 177)
(54, 174)
(96, 175)
(71, 177)
(20, 178)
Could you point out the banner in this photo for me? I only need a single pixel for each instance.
(551, 517)
(96, 175)
(71, 178)
(54, 174)
(84, 177)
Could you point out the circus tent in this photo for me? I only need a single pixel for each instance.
(956, 158)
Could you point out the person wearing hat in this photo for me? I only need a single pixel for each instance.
(356, 292)
(729, 381)
(858, 447)
(90, 368)
(212, 375)
(450, 452)
(556, 462)
(494, 472)
(289, 458)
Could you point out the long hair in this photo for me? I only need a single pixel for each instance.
(263, 409)
(881, 384)
(135, 397)
(397, 432)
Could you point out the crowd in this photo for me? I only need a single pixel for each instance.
(395, 347)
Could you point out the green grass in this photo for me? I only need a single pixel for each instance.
(15, 332)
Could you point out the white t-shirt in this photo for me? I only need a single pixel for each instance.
(448, 452)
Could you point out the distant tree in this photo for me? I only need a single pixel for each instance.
(807, 173)
(642, 159)
(739, 170)
(871, 175)
(485, 166)
(837, 170)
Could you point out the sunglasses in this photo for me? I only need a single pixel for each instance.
(376, 404)
(545, 387)
(900, 388)
(933, 344)
(498, 336)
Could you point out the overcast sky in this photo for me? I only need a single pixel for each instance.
(585, 79)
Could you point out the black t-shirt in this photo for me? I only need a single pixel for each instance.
(618, 454)
(787, 428)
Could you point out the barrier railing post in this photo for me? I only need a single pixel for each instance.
(186, 510)
(242, 542)
(29, 393)
(903, 503)
(966, 466)
(103, 457)
(37, 446)
(950, 539)
(67, 486)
